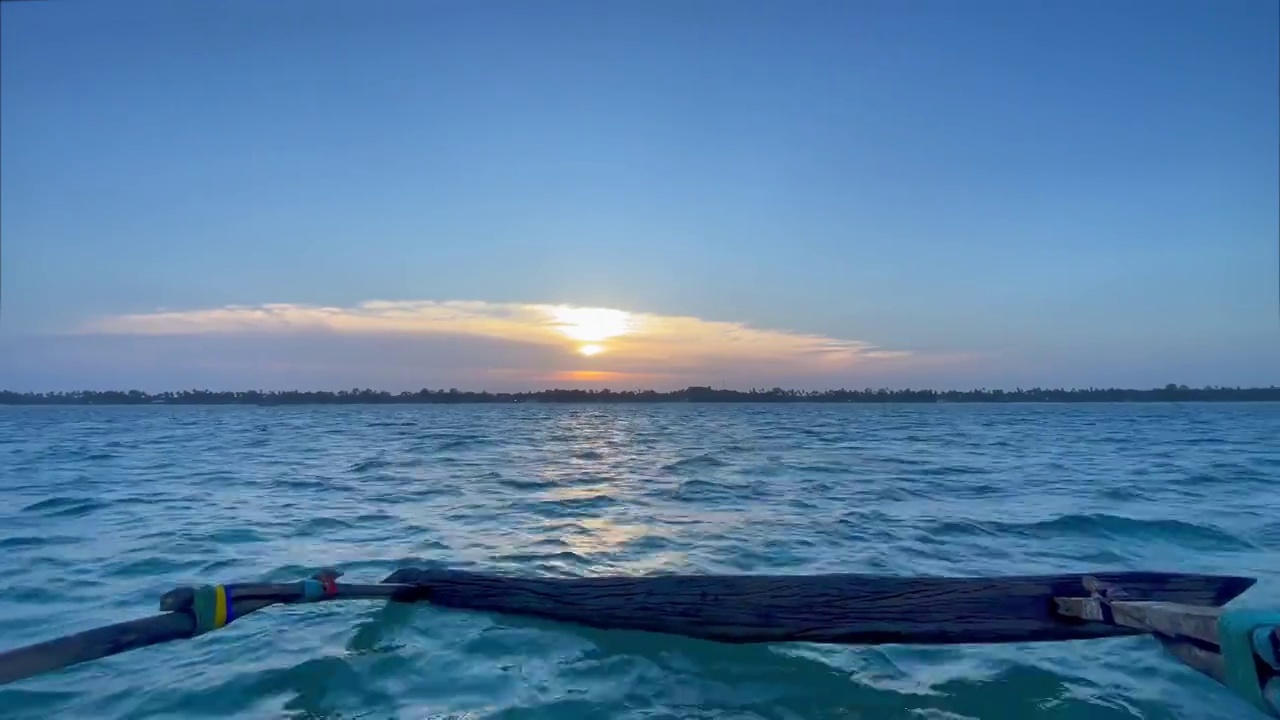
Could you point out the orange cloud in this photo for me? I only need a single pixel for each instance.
(526, 343)
(617, 345)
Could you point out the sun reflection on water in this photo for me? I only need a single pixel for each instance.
(600, 481)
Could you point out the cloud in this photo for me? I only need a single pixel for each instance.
(621, 337)
(471, 344)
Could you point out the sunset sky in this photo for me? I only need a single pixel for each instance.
(500, 195)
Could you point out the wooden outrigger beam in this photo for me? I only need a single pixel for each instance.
(1238, 648)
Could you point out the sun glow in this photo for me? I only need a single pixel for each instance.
(541, 339)
(591, 325)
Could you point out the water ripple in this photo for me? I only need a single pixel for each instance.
(65, 506)
(109, 507)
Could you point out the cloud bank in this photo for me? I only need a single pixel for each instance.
(670, 340)
(473, 344)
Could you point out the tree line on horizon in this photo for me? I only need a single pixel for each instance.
(357, 396)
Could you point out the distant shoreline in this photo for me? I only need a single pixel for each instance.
(1168, 393)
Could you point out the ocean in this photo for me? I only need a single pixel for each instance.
(106, 508)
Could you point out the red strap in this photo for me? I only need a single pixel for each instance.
(330, 585)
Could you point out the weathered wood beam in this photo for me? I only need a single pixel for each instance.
(837, 608)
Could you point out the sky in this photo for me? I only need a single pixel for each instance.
(398, 194)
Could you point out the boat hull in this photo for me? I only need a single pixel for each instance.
(836, 608)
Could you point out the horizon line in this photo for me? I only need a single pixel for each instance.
(695, 393)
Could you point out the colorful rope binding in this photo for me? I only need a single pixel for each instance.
(212, 608)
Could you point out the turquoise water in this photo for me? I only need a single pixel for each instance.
(107, 508)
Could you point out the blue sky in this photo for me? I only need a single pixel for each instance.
(983, 193)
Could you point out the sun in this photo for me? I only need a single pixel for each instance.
(590, 350)
(591, 325)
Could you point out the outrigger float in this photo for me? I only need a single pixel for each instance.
(1240, 649)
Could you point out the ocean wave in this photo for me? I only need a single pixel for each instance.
(699, 489)
(561, 556)
(63, 506)
(577, 504)
(520, 483)
(26, 541)
(463, 443)
(298, 484)
(365, 466)
(830, 468)
(321, 525)
(675, 489)
(953, 469)
(697, 462)
(1098, 525)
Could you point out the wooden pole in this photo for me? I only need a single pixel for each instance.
(841, 608)
(836, 608)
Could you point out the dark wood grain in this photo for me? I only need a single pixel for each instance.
(840, 608)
